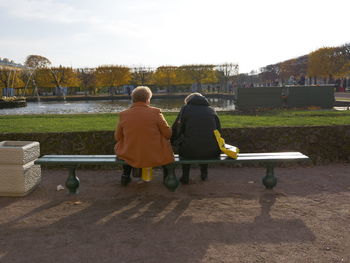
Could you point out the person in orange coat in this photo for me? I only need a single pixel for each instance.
(142, 135)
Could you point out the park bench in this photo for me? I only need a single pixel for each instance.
(269, 160)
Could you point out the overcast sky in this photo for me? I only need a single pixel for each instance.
(88, 33)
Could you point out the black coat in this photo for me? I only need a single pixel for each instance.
(198, 121)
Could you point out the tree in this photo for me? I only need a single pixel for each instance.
(64, 77)
(320, 64)
(87, 79)
(198, 74)
(166, 76)
(341, 60)
(225, 73)
(43, 78)
(36, 61)
(142, 76)
(345, 70)
(288, 68)
(329, 61)
(269, 74)
(112, 76)
(10, 78)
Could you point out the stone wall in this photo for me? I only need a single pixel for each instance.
(323, 144)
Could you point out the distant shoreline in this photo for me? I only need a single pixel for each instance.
(122, 97)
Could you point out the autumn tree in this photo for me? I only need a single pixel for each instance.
(5, 79)
(142, 76)
(341, 60)
(166, 76)
(10, 78)
(87, 79)
(33, 63)
(198, 74)
(225, 73)
(288, 68)
(112, 76)
(36, 61)
(43, 78)
(345, 70)
(329, 62)
(63, 77)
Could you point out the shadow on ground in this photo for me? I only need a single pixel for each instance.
(230, 218)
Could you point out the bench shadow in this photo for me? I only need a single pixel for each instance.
(141, 229)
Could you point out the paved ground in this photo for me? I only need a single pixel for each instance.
(230, 218)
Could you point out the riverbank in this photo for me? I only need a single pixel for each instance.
(123, 97)
(16, 103)
(338, 96)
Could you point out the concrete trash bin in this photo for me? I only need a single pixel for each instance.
(18, 174)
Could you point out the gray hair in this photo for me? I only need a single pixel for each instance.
(141, 94)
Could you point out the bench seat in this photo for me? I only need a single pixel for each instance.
(269, 160)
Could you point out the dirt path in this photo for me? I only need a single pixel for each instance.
(230, 218)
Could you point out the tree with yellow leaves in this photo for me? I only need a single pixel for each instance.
(36, 61)
(320, 62)
(55, 77)
(10, 78)
(64, 77)
(112, 76)
(142, 76)
(166, 76)
(33, 64)
(329, 61)
(87, 79)
(197, 74)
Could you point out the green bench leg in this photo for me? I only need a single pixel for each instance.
(170, 180)
(269, 180)
(72, 182)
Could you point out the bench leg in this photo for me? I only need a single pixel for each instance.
(269, 180)
(170, 180)
(72, 182)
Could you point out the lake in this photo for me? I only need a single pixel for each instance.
(107, 106)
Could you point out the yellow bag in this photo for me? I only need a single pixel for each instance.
(147, 174)
(229, 150)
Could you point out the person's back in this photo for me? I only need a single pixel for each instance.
(142, 135)
(146, 143)
(196, 124)
(199, 121)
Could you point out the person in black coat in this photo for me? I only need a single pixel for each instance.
(193, 134)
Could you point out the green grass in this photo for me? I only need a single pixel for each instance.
(107, 122)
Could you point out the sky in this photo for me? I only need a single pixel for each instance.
(152, 33)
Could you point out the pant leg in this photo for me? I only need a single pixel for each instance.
(204, 168)
(204, 171)
(185, 178)
(186, 170)
(125, 178)
(127, 169)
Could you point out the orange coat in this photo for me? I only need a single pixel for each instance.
(142, 137)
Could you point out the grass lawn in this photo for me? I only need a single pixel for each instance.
(98, 122)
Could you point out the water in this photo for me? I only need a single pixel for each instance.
(106, 106)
